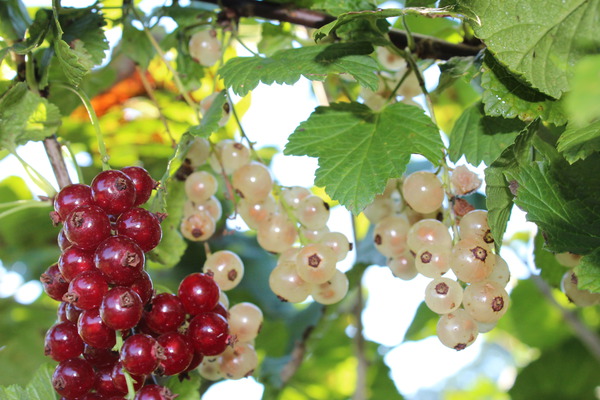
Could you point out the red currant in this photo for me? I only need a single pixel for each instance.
(164, 314)
(55, 285)
(120, 259)
(113, 191)
(87, 226)
(73, 377)
(178, 353)
(154, 392)
(121, 308)
(94, 331)
(209, 332)
(105, 384)
(74, 261)
(143, 287)
(143, 182)
(62, 341)
(119, 378)
(100, 357)
(86, 290)
(142, 226)
(141, 354)
(198, 293)
(70, 197)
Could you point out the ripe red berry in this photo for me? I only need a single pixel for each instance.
(178, 353)
(143, 182)
(63, 342)
(120, 259)
(94, 331)
(142, 226)
(113, 191)
(70, 197)
(198, 293)
(121, 308)
(62, 240)
(105, 384)
(55, 285)
(73, 377)
(87, 226)
(119, 378)
(221, 310)
(164, 314)
(196, 360)
(74, 261)
(86, 290)
(61, 312)
(72, 312)
(154, 392)
(141, 354)
(143, 287)
(209, 332)
(100, 357)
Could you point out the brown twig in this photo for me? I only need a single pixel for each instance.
(425, 46)
(57, 161)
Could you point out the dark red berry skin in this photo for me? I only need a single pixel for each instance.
(94, 332)
(105, 384)
(142, 226)
(87, 290)
(154, 392)
(198, 293)
(164, 314)
(119, 378)
(87, 226)
(143, 182)
(55, 285)
(221, 310)
(209, 332)
(63, 342)
(120, 259)
(63, 242)
(121, 308)
(73, 378)
(100, 357)
(178, 353)
(196, 360)
(141, 354)
(113, 191)
(74, 261)
(70, 197)
(61, 312)
(72, 312)
(143, 287)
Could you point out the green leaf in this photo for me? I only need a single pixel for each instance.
(40, 386)
(12, 392)
(507, 96)
(588, 272)
(582, 101)
(565, 372)
(499, 199)
(15, 19)
(274, 38)
(532, 319)
(481, 138)
(359, 150)
(85, 26)
(539, 40)
(423, 324)
(552, 270)
(136, 45)
(25, 116)
(186, 389)
(76, 62)
(569, 218)
(578, 143)
(457, 68)
(243, 74)
(371, 16)
(210, 120)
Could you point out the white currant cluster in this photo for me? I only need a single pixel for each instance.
(409, 233)
(568, 284)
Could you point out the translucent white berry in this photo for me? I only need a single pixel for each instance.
(312, 212)
(252, 181)
(205, 48)
(332, 291)
(287, 285)
(423, 191)
(428, 232)
(253, 213)
(239, 362)
(245, 321)
(433, 261)
(403, 266)
(568, 260)
(316, 263)
(200, 186)
(226, 268)
(390, 234)
(457, 330)
(485, 301)
(579, 297)
(276, 233)
(338, 242)
(443, 295)
(198, 152)
(293, 195)
(475, 224)
(198, 227)
(212, 206)
(472, 260)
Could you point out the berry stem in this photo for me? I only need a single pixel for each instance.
(449, 212)
(243, 132)
(93, 118)
(67, 147)
(130, 389)
(290, 214)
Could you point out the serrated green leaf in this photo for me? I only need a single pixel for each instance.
(76, 63)
(568, 371)
(25, 116)
(569, 220)
(552, 270)
(539, 40)
(12, 392)
(507, 96)
(371, 16)
(186, 389)
(243, 74)
(86, 26)
(40, 387)
(481, 138)
(359, 150)
(210, 120)
(499, 199)
(582, 101)
(578, 143)
(588, 272)
(457, 68)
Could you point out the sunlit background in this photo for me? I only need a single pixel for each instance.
(420, 369)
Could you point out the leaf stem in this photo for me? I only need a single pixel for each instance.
(21, 205)
(242, 131)
(67, 147)
(93, 118)
(36, 177)
(30, 74)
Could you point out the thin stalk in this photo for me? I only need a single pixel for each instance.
(36, 177)
(400, 82)
(30, 74)
(67, 147)
(411, 40)
(57, 161)
(22, 205)
(93, 118)
(243, 133)
(128, 380)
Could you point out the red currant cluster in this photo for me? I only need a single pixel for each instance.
(112, 330)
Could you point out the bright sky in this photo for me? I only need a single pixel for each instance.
(275, 112)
